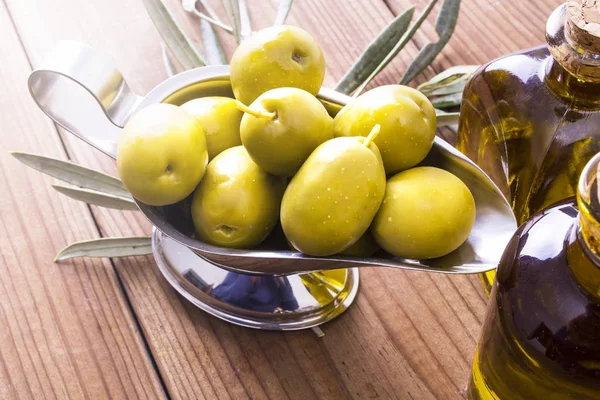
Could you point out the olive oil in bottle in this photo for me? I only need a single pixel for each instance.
(541, 336)
(531, 120)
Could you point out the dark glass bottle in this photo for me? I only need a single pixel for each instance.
(541, 336)
(531, 120)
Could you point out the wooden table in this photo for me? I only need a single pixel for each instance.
(92, 328)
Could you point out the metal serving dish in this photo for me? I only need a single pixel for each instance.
(82, 92)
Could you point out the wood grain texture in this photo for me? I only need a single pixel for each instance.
(409, 335)
(66, 330)
(486, 29)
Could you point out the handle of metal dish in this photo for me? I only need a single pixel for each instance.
(84, 93)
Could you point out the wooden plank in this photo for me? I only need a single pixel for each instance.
(66, 330)
(408, 335)
(486, 29)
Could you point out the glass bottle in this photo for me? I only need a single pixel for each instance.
(541, 336)
(531, 120)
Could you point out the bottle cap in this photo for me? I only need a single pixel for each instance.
(583, 23)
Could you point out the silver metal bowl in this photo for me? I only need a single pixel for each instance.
(81, 91)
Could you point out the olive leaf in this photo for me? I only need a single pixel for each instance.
(213, 21)
(232, 7)
(444, 26)
(212, 46)
(169, 67)
(212, 16)
(450, 100)
(97, 198)
(210, 41)
(175, 39)
(318, 331)
(245, 25)
(446, 88)
(283, 11)
(74, 174)
(455, 87)
(375, 53)
(399, 46)
(446, 119)
(208, 9)
(107, 247)
(446, 81)
(190, 7)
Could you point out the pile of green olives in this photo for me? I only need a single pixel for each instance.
(348, 184)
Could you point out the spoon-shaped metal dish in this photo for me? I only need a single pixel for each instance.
(81, 91)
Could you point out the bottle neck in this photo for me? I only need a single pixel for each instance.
(577, 93)
(573, 72)
(577, 54)
(584, 252)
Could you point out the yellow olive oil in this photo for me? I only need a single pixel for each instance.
(541, 337)
(531, 120)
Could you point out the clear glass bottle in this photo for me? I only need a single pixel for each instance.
(531, 120)
(541, 336)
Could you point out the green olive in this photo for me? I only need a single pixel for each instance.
(220, 120)
(426, 213)
(280, 56)
(161, 156)
(236, 204)
(407, 120)
(330, 202)
(281, 129)
(365, 246)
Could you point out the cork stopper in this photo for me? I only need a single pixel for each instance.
(583, 23)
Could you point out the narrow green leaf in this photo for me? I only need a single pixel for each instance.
(107, 247)
(318, 331)
(211, 17)
(448, 78)
(399, 46)
(232, 7)
(210, 40)
(282, 11)
(450, 100)
(209, 9)
(444, 26)
(455, 87)
(97, 198)
(445, 119)
(375, 52)
(74, 174)
(212, 45)
(175, 39)
(245, 25)
(169, 67)
(213, 21)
